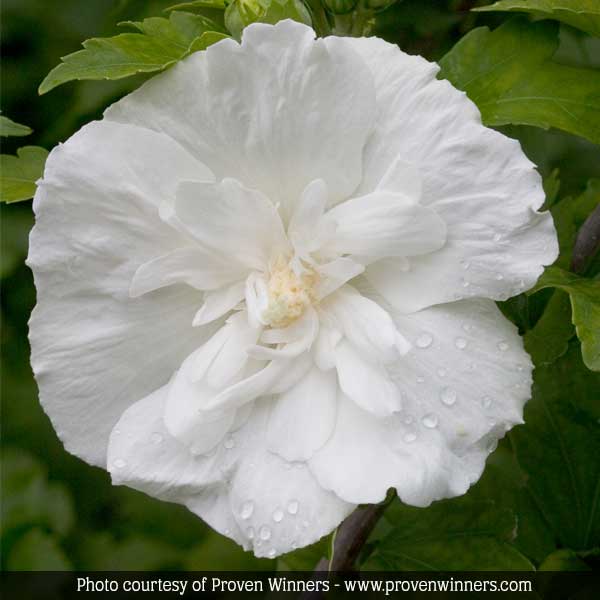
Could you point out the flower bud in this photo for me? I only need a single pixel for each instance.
(241, 13)
(340, 7)
(377, 5)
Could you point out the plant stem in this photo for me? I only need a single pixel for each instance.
(319, 18)
(587, 242)
(352, 535)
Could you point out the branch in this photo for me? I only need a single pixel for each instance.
(587, 242)
(351, 537)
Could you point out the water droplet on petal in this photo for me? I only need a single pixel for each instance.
(442, 372)
(116, 432)
(119, 463)
(430, 421)
(247, 509)
(466, 283)
(424, 340)
(467, 327)
(497, 237)
(499, 277)
(448, 396)
(292, 507)
(250, 533)
(278, 515)
(460, 343)
(486, 402)
(229, 442)
(264, 533)
(408, 419)
(410, 437)
(420, 379)
(502, 346)
(465, 264)
(156, 438)
(271, 553)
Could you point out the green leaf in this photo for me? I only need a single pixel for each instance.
(581, 14)
(558, 449)
(18, 174)
(563, 560)
(29, 500)
(218, 553)
(510, 75)
(451, 535)
(37, 551)
(102, 552)
(585, 305)
(160, 43)
(549, 338)
(9, 128)
(218, 4)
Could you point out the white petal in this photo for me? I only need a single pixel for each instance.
(263, 487)
(323, 350)
(367, 326)
(280, 505)
(367, 383)
(235, 221)
(402, 178)
(385, 224)
(279, 375)
(306, 329)
(192, 265)
(335, 274)
(96, 222)
(477, 180)
(308, 210)
(463, 384)
(279, 111)
(220, 302)
(302, 419)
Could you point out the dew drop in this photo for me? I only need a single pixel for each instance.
(448, 396)
(486, 402)
(499, 277)
(497, 237)
(116, 432)
(465, 264)
(408, 419)
(119, 463)
(271, 553)
(250, 533)
(420, 379)
(430, 420)
(229, 442)
(156, 438)
(442, 372)
(410, 437)
(264, 533)
(292, 507)
(424, 340)
(467, 327)
(502, 346)
(247, 509)
(465, 283)
(278, 515)
(460, 343)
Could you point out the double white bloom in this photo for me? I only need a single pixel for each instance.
(266, 281)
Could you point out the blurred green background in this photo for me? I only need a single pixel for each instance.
(58, 512)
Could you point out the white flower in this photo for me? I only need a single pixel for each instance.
(266, 284)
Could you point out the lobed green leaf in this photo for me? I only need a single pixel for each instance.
(585, 305)
(159, 44)
(18, 174)
(450, 535)
(558, 449)
(581, 14)
(509, 73)
(9, 128)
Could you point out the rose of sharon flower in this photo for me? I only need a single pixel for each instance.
(266, 284)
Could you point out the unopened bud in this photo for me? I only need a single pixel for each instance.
(241, 13)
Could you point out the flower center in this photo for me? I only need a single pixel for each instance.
(289, 293)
